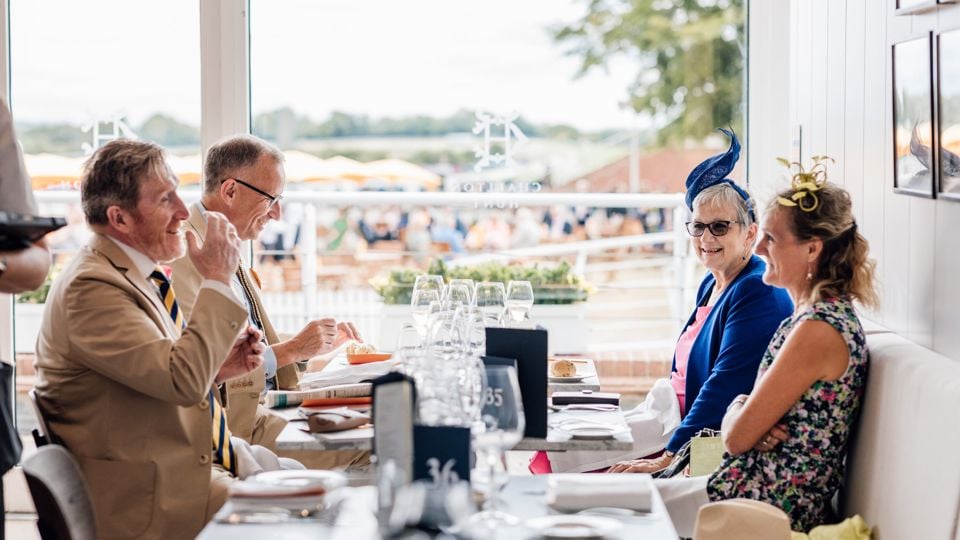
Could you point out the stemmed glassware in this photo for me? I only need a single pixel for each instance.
(409, 350)
(519, 300)
(489, 298)
(503, 424)
(424, 302)
(466, 282)
(440, 397)
(457, 295)
(429, 281)
(472, 372)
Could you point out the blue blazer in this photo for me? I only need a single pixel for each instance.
(726, 355)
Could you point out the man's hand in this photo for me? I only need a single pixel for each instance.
(642, 465)
(245, 356)
(317, 337)
(346, 331)
(219, 256)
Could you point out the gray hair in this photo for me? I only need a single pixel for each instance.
(725, 196)
(234, 153)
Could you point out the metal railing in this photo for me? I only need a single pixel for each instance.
(675, 266)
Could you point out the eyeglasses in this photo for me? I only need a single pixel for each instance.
(717, 228)
(274, 199)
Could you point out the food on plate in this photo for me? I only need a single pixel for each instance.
(360, 348)
(364, 353)
(563, 368)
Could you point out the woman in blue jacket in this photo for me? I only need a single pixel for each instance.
(718, 353)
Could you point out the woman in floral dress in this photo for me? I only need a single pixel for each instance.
(786, 441)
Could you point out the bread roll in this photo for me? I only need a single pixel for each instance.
(563, 368)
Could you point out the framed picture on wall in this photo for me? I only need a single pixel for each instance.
(914, 162)
(948, 114)
(907, 7)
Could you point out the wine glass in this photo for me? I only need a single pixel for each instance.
(409, 349)
(440, 405)
(489, 297)
(519, 300)
(421, 306)
(472, 373)
(503, 424)
(457, 295)
(429, 281)
(466, 282)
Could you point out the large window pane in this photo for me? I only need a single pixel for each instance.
(82, 73)
(378, 95)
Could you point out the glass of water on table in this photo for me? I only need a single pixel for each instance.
(519, 300)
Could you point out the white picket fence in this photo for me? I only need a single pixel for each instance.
(288, 310)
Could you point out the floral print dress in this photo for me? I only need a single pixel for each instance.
(802, 474)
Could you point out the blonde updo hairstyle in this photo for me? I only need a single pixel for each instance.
(844, 267)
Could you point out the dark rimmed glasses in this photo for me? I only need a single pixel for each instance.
(717, 228)
(274, 199)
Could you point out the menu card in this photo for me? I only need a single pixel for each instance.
(529, 348)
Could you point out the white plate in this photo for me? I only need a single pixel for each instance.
(591, 431)
(574, 526)
(289, 483)
(571, 379)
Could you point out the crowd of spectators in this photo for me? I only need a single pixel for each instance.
(425, 230)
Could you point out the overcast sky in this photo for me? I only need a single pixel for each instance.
(72, 61)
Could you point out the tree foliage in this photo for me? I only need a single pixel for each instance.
(689, 56)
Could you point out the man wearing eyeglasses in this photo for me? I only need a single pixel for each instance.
(243, 180)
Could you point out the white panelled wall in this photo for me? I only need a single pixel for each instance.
(839, 90)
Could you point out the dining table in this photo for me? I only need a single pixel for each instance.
(614, 433)
(524, 496)
(562, 432)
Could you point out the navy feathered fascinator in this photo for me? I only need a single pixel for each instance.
(714, 171)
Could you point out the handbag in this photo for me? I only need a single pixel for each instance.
(706, 452)
(684, 455)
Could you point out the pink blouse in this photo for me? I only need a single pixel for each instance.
(678, 378)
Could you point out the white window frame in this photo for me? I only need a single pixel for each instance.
(225, 87)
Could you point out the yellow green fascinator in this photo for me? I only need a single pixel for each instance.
(806, 183)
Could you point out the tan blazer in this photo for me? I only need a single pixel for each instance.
(127, 393)
(247, 418)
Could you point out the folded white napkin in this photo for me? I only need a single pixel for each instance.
(348, 374)
(255, 459)
(574, 492)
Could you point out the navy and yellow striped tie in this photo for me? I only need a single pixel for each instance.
(169, 299)
(222, 448)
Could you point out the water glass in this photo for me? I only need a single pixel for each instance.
(409, 350)
(429, 281)
(457, 295)
(502, 429)
(421, 308)
(489, 298)
(468, 283)
(519, 300)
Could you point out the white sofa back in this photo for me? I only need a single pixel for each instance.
(903, 471)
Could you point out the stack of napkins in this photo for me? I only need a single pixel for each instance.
(349, 374)
(575, 492)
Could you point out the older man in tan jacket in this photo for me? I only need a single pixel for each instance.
(122, 381)
(244, 180)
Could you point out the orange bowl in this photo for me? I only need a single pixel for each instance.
(367, 358)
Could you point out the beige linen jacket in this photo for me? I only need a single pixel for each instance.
(127, 392)
(247, 418)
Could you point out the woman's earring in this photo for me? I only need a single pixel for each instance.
(809, 273)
